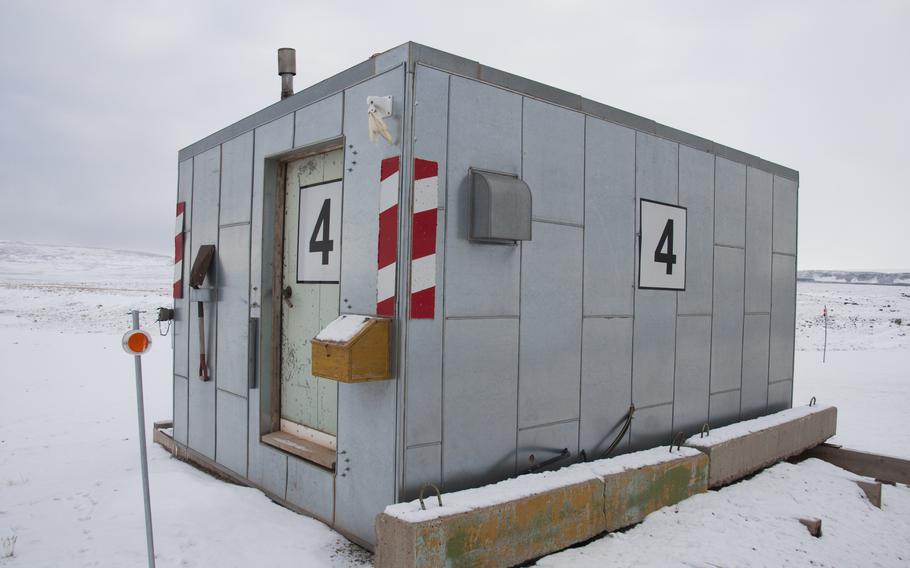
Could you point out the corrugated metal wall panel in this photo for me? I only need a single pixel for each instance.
(423, 464)
(652, 427)
(181, 410)
(657, 174)
(311, 488)
(545, 442)
(553, 160)
(780, 395)
(233, 267)
(201, 400)
(609, 282)
(696, 194)
(231, 439)
(758, 241)
(606, 382)
(756, 331)
(785, 211)
(484, 132)
(236, 179)
(367, 412)
(727, 323)
(181, 335)
(693, 370)
(423, 372)
(320, 121)
(550, 330)
(783, 318)
(730, 203)
(480, 374)
(269, 139)
(724, 408)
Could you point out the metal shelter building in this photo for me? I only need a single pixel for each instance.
(518, 330)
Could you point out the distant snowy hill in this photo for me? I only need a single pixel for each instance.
(77, 288)
(853, 277)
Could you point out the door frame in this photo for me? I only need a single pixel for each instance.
(273, 213)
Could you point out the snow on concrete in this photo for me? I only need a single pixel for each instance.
(531, 484)
(635, 460)
(489, 495)
(342, 329)
(740, 429)
(754, 523)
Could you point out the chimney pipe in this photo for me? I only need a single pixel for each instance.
(287, 68)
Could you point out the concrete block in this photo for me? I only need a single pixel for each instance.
(813, 525)
(659, 479)
(872, 490)
(503, 534)
(743, 448)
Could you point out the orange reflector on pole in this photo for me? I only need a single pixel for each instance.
(136, 342)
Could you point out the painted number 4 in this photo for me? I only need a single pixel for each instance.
(666, 241)
(325, 245)
(662, 241)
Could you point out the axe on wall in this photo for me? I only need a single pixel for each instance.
(200, 269)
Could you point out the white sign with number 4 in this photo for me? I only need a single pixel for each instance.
(319, 234)
(662, 247)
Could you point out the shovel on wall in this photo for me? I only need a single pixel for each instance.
(200, 269)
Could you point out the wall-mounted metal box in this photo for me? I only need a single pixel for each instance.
(500, 208)
(495, 353)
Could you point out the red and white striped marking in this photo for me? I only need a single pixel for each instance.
(388, 236)
(423, 239)
(178, 251)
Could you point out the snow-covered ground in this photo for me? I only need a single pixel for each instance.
(69, 483)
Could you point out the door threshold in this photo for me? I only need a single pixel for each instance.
(302, 448)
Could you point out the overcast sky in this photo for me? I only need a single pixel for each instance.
(97, 98)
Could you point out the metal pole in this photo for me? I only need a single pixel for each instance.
(142, 454)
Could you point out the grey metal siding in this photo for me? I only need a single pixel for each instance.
(231, 439)
(756, 331)
(484, 132)
(784, 215)
(606, 382)
(550, 331)
(423, 368)
(236, 179)
(656, 166)
(311, 488)
(553, 159)
(367, 412)
(541, 443)
(730, 203)
(696, 194)
(201, 399)
(609, 255)
(758, 241)
(319, 121)
(727, 323)
(479, 411)
(269, 139)
(783, 318)
(181, 309)
(724, 408)
(423, 464)
(693, 370)
(233, 262)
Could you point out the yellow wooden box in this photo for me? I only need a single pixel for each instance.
(362, 356)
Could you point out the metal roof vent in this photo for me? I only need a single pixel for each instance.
(500, 208)
(287, 68)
